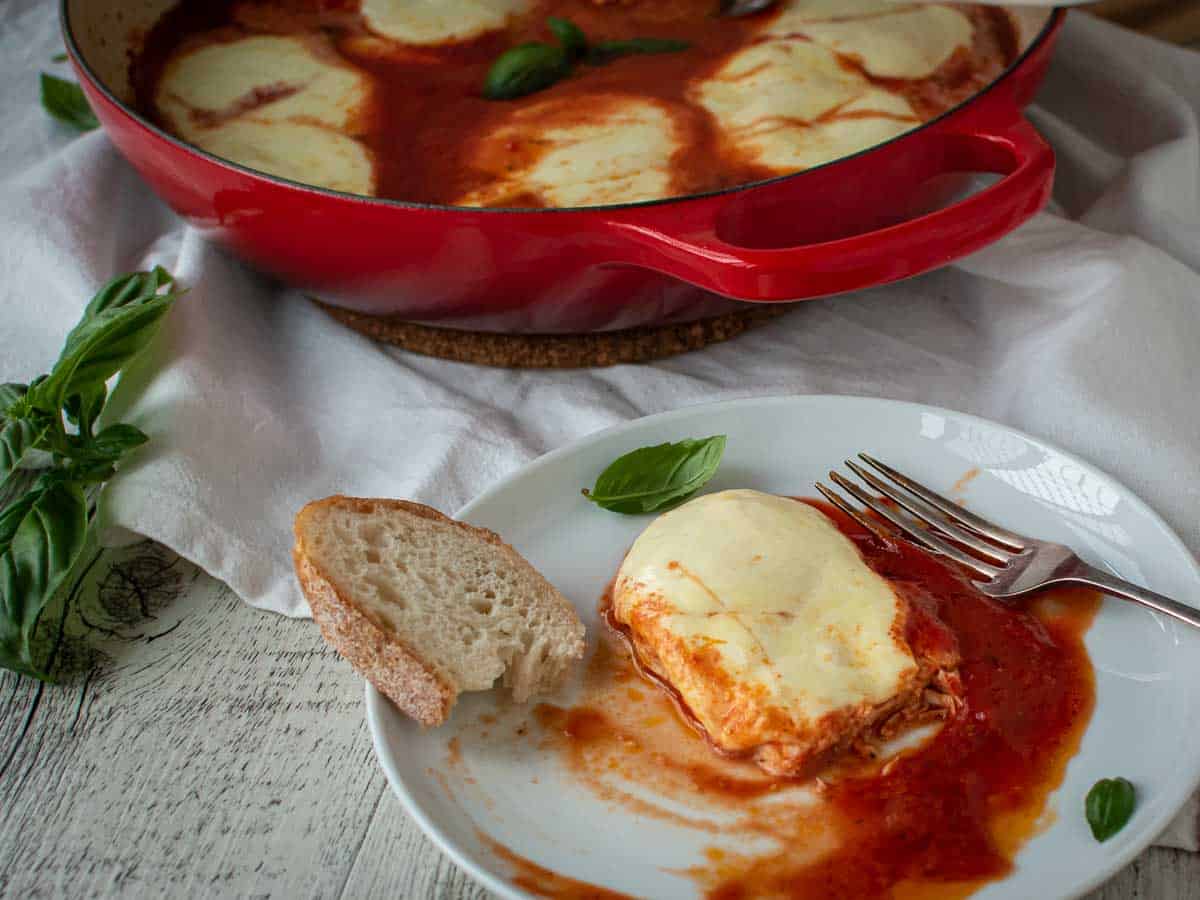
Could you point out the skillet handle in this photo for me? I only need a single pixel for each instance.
(876, 257)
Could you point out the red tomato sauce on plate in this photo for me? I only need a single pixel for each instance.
(938, 820)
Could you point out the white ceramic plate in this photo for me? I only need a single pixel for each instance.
(1146, 724)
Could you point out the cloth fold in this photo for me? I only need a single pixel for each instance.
(1081, 327)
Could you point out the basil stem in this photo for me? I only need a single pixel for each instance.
(606, 51)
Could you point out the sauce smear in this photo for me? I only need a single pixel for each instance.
(938, 820)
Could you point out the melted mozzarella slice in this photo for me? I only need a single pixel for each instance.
(305, 153)
(789, 104)
(778, 81)
(765, 619)
(267, 78)
(286, 106)
(616, 149)
(797, 12)
(436, 21)
(908, 43)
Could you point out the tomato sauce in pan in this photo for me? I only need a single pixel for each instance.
(938, 820)
(428, 111)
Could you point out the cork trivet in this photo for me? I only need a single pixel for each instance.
(557, 351)
(1168, 20)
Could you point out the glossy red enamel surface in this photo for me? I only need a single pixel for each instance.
(844, 226)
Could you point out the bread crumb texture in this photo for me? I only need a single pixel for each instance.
(398, 579)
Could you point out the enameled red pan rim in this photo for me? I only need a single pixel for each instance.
(1052, 23)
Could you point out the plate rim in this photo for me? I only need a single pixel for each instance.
(376, 703)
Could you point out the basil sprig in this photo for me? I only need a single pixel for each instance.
(50, 425)
(65, 101)
(536, 66)
(1109, 805)
(524, 70)
(658, 478)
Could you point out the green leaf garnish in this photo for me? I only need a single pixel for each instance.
(65, 101)
(10, 395)
(19, 440)
(570, 36)
(654, 479)
(115, 326)
(59, 58)
(1109, 806)
(523, 70)
(606, 51)
(52, 421)
(534, 67)
(48, 534)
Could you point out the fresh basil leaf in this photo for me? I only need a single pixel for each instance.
(65, 101)
(108, 447)
(115, 441)
(75, 472)
(606, 51)
(138, 287)
(10, 395)
(45, 536)
(570, 36)
(524, 70)
(653, 479)
(1109, 806)
(12, 516)
(19, 440)
(99, 348)
(84, 409)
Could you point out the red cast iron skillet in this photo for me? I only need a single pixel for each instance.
(849, 224)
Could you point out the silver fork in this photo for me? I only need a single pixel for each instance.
(1005, 565)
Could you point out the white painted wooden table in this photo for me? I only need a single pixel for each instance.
(219, 751)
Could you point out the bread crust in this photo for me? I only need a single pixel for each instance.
(375, 653)
(374, 650)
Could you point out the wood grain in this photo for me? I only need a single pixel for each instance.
(220, 751)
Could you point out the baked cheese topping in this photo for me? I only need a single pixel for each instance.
(616, 150)
(764, 617)
(287, 106)
(385, 97)
(304, 153)
(908, 44)
(790, 104)
(437, 21)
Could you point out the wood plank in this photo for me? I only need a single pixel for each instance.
(397, 860)
(1158, 874)
(228, 757)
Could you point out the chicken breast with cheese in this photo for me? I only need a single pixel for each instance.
(617, 149)
(285, 105)
(790, 101)
(777, 637)
(438, 21)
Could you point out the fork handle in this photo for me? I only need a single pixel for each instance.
(1090, 576)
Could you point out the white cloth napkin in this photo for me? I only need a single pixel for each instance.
(1083, 327)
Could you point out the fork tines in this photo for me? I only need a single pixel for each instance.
(925, 517)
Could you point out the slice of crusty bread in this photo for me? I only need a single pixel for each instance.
(425, 607)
